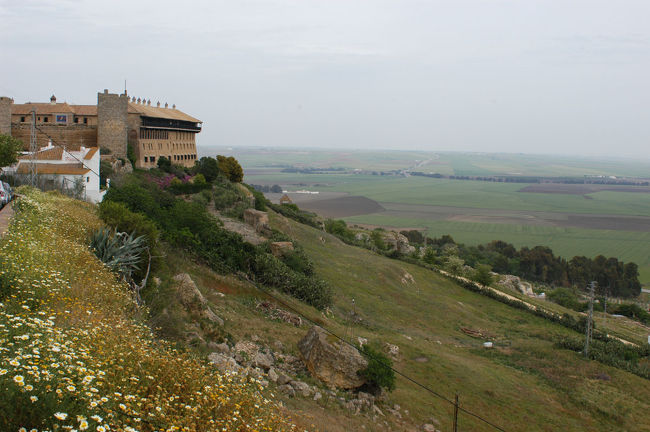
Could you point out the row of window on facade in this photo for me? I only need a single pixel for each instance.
(152, 159)
(59, 119)
(163, 134)
(149, 146)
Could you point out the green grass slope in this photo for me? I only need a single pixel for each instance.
(524, 384)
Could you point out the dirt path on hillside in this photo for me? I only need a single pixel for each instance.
(6, 214)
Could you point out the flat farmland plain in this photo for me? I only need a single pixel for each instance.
(572, 219)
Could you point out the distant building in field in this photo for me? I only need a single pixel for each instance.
(115, 123)
(285, 199)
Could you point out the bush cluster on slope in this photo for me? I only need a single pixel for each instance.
(189, 225)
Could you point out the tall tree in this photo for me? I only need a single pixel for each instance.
(10, 147)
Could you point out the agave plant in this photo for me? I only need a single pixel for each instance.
(120, 251)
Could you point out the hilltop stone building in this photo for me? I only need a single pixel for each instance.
(115, 123)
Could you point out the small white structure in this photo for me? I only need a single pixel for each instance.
(66, 167)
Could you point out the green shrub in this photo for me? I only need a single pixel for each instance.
(293, 212)
(298, 261)
(567, 298)
(379, 373)
(271, 271)
(120, 218)
(339, 228)
(224, 198)
(377, 238)
(633, 311)
(482, 274)
(199, 180)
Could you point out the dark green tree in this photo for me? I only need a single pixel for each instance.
(164, 164)
(10, 147)
(230, 168)
(207, 166)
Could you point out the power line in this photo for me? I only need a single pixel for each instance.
(408, 378)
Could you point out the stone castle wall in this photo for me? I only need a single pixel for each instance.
(112, 125)
(5, 115)
(72, 136)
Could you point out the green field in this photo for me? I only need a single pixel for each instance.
(447, 163)
(478, 194)
(497, 198)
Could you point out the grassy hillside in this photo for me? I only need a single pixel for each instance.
(524, 384)
(74, 350)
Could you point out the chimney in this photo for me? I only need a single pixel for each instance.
(138, 101)
(174, 106)
(166, 105)
(105, 91)
(133, 99)
(149, 102)
(158, 104)
(53, 100)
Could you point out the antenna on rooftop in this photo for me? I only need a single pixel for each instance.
(33, 148)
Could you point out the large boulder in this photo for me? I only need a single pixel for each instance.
(330, 360)
(192, 299)
(257, 219)
(280, 249)
(397, 242)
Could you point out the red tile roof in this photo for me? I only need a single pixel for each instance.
(50, 168)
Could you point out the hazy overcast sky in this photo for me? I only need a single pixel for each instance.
(532, 76)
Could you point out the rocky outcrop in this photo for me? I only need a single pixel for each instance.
(257, 219)
(279, 249)
(192, 299)
(330, 360)
(516, 284)
(397, 242)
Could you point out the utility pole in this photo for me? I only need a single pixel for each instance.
(590, 317)
(456, 414)
(33, 148)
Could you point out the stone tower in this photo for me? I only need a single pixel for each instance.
(112, 126)
(5, 115)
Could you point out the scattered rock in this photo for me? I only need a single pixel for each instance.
(301, 388)
(407, 279)
(318, 396)
(244, 351)
(192, 299)
(428, 427)
(273, 375)
(377, 411)
(283, 379)
(362, 341)
(279, 249)
(279, 314)
(223, 362)
(221, 348)
(330, 360)
(257, 219)
(286, 388)
(262, 361)
(392, 350)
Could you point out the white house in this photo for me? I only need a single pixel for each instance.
(65, 167)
